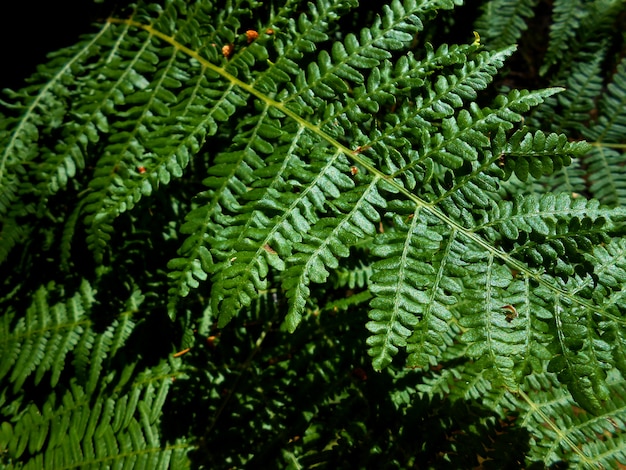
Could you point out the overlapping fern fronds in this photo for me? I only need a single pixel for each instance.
(258, 153)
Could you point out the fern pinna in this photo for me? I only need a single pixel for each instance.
(199, 158)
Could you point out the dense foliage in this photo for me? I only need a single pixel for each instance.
(283, 234)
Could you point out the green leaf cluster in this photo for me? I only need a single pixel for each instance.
(286, 233)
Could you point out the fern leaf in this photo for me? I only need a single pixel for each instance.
(611, 123)
(355, 278)
(161, 153)
(10, 235)
(319, 184)
(116, 429)
(402, 291)
(297, 37)
(564, 432)
(46, 109)
(41, 340)
(529, 154)
(582, 90)
(566, 20)
(608, 185)
(503, 22)
(287, 150)
(328, 240)
(67, 237)
(226, 182)
(10, 188)
(43, 337)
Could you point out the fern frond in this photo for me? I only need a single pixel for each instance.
(583, 87)
(82, 430)
(10, 189)
(229, 177)
(328, 240)
(583, 350)
(467, 383)
(236, 279)
(281, 155)
(330, 75)
(154, 140)
(532, 154)
(569, 180)
(611, 123)
(598, 24)
(305, 233)
(67, 237)
(227, 181)
(607, 180)
(606, 183)
(503, 22)
(11, 234)
(403, 292)
(357, 277)
(571, 226)
(564, 432)
(448, 143)
(40, 341)
(566, 19)
(296, 38)
(41, 107)
(562, 255)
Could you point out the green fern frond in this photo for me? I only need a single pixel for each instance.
(250, 220)
(67, 238)
(41, 107)
(564, 432)
(566, 19)
(606, 177)
(10, 188)
(468, 383)
(503, 22)
(11, 234)
(570, 180)
(328, 240)
(583, 87)
(324, 78)
(539, 154)
(598, 25)
(565, 230)
(405, 296)
(40, 341)
(286, 160)
(83, 430)
(356, 277)
(607, 184)
(154, 145)
(611, 123)
(581, 350)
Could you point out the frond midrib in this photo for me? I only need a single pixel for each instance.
(358, 159)
(41, 95)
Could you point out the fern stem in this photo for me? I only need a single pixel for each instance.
(40, 99)
(548, 421)
(355, 156)
(611, 145)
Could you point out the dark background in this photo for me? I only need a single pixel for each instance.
(31, 29)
